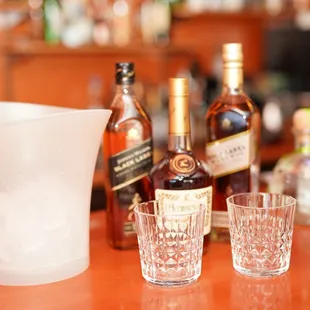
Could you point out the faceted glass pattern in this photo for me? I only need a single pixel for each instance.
(261, 231)
(170, 242)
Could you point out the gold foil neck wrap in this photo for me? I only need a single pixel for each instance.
(179, 122)
(232, 65)
(178, 87)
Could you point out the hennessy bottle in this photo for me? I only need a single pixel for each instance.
(179, 176)
(233, 135)
(128, 152)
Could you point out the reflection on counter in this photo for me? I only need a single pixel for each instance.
(272, 293)
(195, 296)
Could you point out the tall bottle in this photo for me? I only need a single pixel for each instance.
(179, 175)
(291, 174)
(233, 137)
(128, 153)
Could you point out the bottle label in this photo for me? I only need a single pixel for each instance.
(220, 219)
(181, 201)
(230, 154)
(131, 165)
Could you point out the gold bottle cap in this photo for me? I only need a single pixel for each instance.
(301, 120)
(178, 87)
(232, 65)
(232, 52)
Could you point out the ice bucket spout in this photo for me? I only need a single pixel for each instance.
(47, 162)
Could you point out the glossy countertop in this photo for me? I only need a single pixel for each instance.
(114, 281)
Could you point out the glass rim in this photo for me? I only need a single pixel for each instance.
(183, 214)
(290, 203)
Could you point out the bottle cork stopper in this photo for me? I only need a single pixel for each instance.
(301, 119)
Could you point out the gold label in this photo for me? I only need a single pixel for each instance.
(180, 201)
(183, 164)
(220, 219)
(231, 154)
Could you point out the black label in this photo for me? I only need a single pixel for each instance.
(131, 165)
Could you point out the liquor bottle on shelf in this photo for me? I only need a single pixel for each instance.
(52, 21)
(179, 176)
(291, 174)
(233, 136)
(128, 153)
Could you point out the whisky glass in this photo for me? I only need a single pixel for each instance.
(261, 231)
(170, 238)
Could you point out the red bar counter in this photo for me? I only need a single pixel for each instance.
(114, 281)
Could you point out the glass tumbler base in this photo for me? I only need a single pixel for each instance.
(171, 283)
(257, 273)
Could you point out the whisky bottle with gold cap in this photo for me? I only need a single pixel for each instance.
(179, 177)
(128, 154)
(233, 136)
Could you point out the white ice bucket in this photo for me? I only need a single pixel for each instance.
(47, 161)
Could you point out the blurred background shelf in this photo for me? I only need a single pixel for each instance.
(14, 5)
(244, 14)
(184, 39)
(34, 48)
(58, 75)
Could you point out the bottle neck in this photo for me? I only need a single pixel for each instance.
(179, 142)
(125, 89)
(179, 124)
(232, 79)
(302, 142)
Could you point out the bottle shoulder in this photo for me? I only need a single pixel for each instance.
(166, 167)
(231, 114)
(293, 163)
(127, 102)
(237, 103)
(122, 112)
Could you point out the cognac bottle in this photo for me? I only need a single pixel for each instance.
(128, 153)
(179, 176)
(233, 135)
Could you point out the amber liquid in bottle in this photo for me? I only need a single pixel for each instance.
(233, 134)
(179, 172)
(128, 154)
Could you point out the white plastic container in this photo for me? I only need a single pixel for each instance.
(47, 160)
